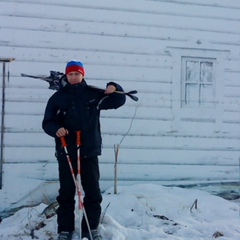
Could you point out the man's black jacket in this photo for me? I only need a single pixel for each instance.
(77, 108)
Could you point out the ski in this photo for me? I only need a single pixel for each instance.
(54, 79)
(55, 82)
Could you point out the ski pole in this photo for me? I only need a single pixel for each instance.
(78, 142)
(81, 209)
(80, 205)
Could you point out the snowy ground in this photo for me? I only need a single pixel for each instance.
(143, 211)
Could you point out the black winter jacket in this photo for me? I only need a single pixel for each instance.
(77, 108)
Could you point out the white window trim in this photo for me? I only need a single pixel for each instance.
(180, 113)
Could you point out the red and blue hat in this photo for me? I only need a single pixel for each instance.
(74, 66)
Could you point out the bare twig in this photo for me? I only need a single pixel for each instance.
(116, 151)
(194, 205)
(217, 234)
(104, 212)
(130, 126)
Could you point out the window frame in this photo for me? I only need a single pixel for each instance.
(200, 102)
(199, 114)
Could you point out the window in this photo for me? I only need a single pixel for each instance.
(197, 86)
(198, 82)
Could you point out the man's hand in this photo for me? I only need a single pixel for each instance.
(61, 132)
(110, 89)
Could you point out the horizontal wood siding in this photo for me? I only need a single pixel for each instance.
(131, 48)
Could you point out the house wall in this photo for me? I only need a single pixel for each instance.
(138, 44)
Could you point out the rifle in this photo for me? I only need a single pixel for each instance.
(56, 81)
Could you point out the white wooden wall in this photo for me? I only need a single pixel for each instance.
(130, 42)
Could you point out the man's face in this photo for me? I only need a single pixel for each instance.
(74, 77)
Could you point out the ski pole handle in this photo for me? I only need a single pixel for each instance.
(129, 94)
(63, 141)
(78, 133)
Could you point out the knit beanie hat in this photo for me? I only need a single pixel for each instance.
(74, 66)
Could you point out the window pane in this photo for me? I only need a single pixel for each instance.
(206, 95)
(192, 71)
(192, 94)
(206, 72)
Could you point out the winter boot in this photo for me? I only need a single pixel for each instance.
(95, 235)
(65, 236)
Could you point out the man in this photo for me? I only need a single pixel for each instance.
(76, 107)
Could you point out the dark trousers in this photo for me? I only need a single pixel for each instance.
(92, 194)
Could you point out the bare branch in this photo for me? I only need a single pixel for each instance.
(116, 150)
(194, 205)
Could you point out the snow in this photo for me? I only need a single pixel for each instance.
(141, 211)
(137, 211)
